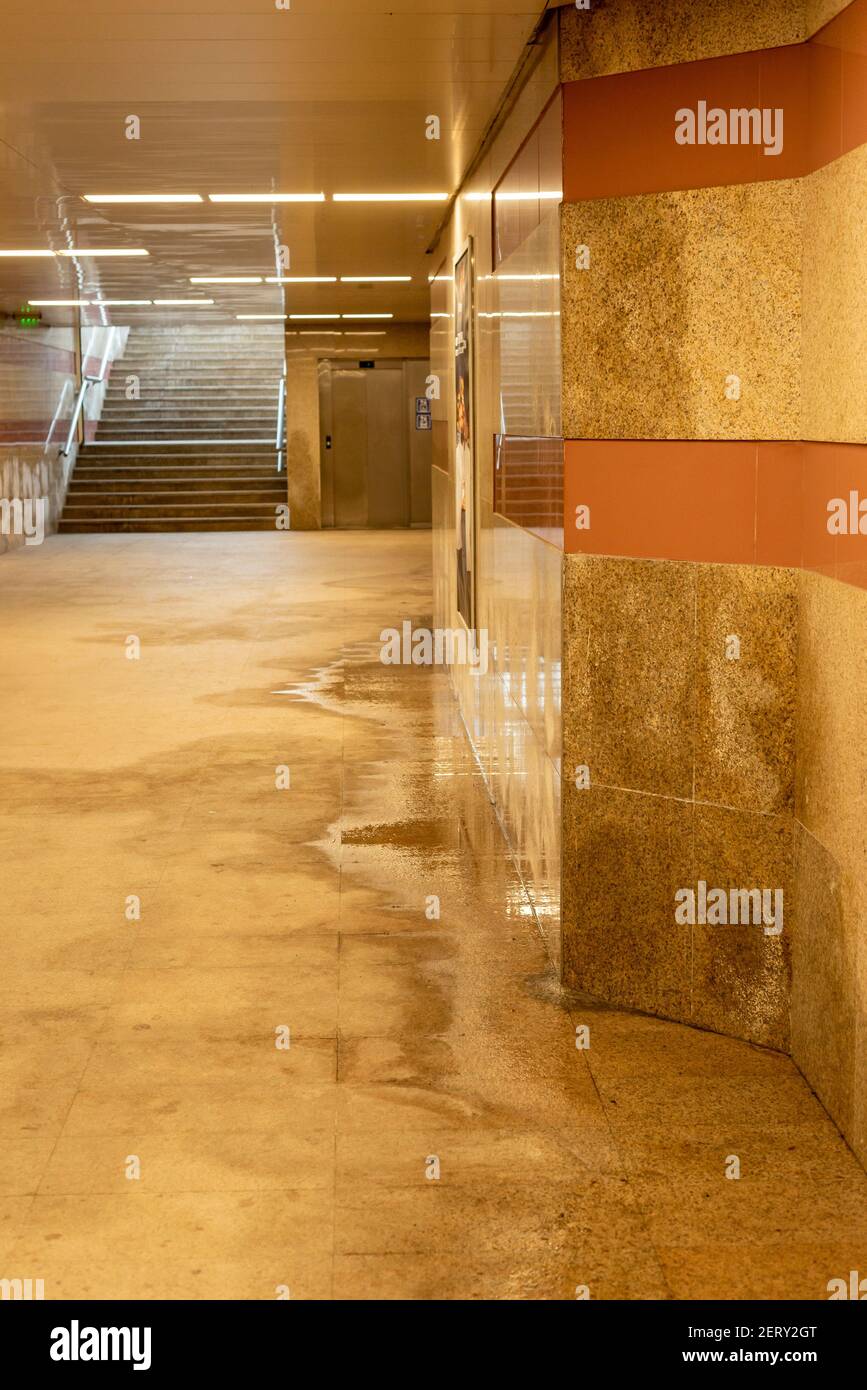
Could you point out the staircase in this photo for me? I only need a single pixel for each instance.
(196, 451)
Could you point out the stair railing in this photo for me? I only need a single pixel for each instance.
(281, 423)
(86, 381)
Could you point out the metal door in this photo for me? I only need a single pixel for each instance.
(375, 470)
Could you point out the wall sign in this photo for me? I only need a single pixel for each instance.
(464, 462)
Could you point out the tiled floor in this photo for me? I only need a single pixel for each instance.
(412, 1038)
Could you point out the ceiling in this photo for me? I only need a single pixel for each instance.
(238, 96)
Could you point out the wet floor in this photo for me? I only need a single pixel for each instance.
(275, 1015)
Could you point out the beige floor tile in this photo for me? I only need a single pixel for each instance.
(207, 1161)
(415, 1034)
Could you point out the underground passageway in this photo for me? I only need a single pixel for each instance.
(433, 616)
(227, 834)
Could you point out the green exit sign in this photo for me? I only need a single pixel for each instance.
(28, 317)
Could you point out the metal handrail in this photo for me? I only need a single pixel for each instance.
(281, 421)
(73, 426)
(79, 400)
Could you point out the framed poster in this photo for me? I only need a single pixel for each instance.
(464, 458)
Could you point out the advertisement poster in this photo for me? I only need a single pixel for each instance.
(464, 461)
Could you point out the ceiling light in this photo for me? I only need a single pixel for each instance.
(117, 303)
(367, 316)
(373, 279)
(26, 253)
(439, 278)
(300, 279)
(266, 197)
(105, 251)
(143, 197)
(364, 333)
(225, 279)
(314, 316)
(183, 301)
(260, 316)
(390, 197)
(320, 333)
(60, 303)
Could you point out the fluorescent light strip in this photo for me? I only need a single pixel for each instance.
(390, 197)
(266, 197)
(373, 279)
(225, 279)
(105, 251)
(364, 333)
(314, 316)
(60, 303)
(367, 316)
(300, 279)
(143, 197)
(27, 253)
(320, 333)
(118, 303)
(179, 302)
(260, 316)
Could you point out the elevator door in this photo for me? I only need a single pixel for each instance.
(370, 449)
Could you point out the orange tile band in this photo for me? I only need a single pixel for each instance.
(790, 504)
(690, 125)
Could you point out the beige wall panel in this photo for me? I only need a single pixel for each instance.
(819, 12)
(684, 290)
(624, 35)
(835, 301)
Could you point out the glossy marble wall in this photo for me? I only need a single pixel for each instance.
(37, 378)
(685, 290)
(829, 997)
(735, 769)
(512, 714)
(629, 35)
(38, 385)
(678, 767)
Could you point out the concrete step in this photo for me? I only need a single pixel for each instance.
(184, 433)
(190, 395)
(163, 410)
(118, 525)
(155, 452)
(172, 504)
(228, 362)
(181, 469)
(166, 371)
(182, 493)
